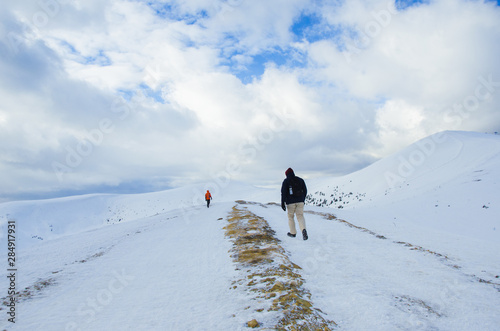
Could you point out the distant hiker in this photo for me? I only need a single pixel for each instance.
(293, 194)
(208, 197)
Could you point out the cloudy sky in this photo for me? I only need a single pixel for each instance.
(133, 96)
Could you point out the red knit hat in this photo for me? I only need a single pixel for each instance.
(289, 171)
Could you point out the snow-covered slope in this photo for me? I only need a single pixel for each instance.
(448, 181)
(415, 247)
(447, 158)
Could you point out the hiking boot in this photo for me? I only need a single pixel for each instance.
(304, 234)
(291, 235)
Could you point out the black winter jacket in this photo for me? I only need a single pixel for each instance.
(285, 194)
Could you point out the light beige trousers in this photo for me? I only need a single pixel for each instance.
(296, 209)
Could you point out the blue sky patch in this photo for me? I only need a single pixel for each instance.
(311, 27)
(99, 59)
(150, 93)
(404, 4)
(303, 25)
(169, 11)
(279, 57)
(128, 94)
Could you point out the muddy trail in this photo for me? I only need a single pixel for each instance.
(267, 274)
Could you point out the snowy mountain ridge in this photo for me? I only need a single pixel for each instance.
(446, 158)
(451, 177)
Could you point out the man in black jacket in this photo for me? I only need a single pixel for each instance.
(293, 194)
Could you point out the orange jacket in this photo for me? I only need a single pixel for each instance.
(208, 196)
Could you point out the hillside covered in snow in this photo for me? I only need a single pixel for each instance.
(451, 178)
(408, 243)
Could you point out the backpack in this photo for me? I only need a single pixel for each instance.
(295, 186)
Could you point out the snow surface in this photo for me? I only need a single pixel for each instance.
(415, 248)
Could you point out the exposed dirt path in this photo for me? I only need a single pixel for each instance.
(268, 274)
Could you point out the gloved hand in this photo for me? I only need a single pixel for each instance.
(283, 206)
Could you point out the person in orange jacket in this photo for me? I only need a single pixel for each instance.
(208, 197)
